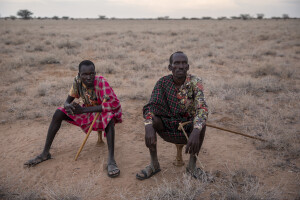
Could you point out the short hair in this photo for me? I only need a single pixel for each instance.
(87, 63)
(171, 57)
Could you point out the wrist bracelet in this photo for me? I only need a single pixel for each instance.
(147, 123)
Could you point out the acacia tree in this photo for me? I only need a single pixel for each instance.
(24, 14)
(260, 16)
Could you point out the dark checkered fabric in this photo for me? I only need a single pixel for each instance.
(165, 104)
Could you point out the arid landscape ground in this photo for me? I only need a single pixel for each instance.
(251, 75)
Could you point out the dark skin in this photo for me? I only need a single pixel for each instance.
(179, 68)
(87, 75)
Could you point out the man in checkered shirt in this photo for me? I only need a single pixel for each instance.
(91, 89)
(176, 98)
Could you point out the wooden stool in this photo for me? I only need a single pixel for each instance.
(178, 160)
(99, 141)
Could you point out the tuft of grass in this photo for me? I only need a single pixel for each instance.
(68, 44)
(43, 88)
(264, 71)
(75, 190)
(52, 101)
(269, 53)
(241, 185)
(20, 89)
(49, 60)
(184, 188)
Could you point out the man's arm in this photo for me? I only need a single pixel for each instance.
(193, 144)
(68, 106)
(80, 110)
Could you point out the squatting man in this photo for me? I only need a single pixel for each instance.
(176, 98)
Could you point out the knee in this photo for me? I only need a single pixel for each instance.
(157, 124)
(110, 126)
(58, 115)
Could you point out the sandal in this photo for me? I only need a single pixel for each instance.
(197, 173)
(37, 160)
(114, 169)
(146, 175)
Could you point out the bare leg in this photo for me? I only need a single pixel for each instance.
(154, 159)
(55, 124)
(112, 168)
(154, 166)
(192, 161)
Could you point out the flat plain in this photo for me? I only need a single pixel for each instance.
(251, 75)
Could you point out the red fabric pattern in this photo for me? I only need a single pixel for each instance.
(110, 109)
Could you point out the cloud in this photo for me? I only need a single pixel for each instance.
(177, 5)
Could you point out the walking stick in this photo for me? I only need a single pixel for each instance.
(90, 129)
(180, 127)
(223, 129)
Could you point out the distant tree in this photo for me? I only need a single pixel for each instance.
(235, 17)
(275, 18)
(12, 17)
(285, 16)
(55, 17)
(163, 18)
(65, 17)
(184, 18)
(24, 14)
(194, 18)
(222, 18)
(245, 16)
(206, 18)
(260, 16)
(102, 17)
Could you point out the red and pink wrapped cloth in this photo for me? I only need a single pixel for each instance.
(111, 109)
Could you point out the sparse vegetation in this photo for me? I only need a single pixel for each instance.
(184, 188)
(251, 77)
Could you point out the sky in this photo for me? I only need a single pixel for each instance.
(151, 8)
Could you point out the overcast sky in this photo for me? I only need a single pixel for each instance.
(151, 8)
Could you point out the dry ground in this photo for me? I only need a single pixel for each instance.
(252, 82)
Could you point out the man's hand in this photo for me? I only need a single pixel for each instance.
(69, 108)
(150, 137)
(78, 109)
(193, 143)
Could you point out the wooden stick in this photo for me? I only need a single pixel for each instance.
(224, 129)
(187, 138)
(89, 131)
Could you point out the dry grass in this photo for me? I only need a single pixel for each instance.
(250, 70)
(241, 185)
(184, 188)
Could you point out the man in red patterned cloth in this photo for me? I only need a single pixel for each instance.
(92, 90)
